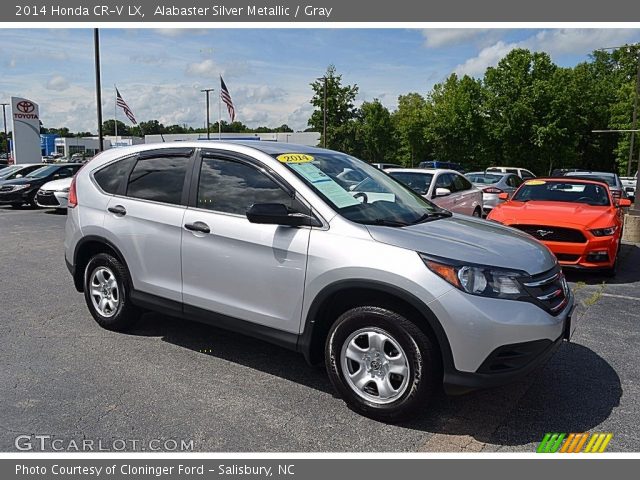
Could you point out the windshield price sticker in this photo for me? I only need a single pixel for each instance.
(535, 182)
(325, 184)
(294, 158)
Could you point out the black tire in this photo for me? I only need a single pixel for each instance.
(32, 201)
(613, 271)
(477, 213)
(125, 314)
(16, 205)
(422, 357)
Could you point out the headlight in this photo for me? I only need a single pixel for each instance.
(604, 232)
(24, 186)
(478, 280)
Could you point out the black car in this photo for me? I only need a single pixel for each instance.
(23, 190)
(17, 171)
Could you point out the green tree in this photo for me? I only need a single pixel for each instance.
(410, 121)
(340, 110)
(376, 132)
(108, 128)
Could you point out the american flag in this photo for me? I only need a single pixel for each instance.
(122, 104)
(226, 98)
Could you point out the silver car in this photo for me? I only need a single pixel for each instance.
(446, 188)
(492, 184)
(393, 293)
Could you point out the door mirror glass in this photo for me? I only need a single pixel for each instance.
(442, 192)
(278, 214)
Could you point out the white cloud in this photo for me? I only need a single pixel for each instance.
(448, 37)
(179, 32)
(557, 42)
(58, 82)
(210, 69)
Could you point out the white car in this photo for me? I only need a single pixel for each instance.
(523, 173)
(446, 188)
(54, 194)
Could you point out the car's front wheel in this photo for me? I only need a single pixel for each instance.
(107, 293)
(381, 363)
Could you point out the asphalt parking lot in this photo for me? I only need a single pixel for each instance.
(64, 376)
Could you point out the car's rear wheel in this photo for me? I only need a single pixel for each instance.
(107, 293)
(477, 212)
(381, 363)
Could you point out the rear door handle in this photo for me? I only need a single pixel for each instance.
(198, 227)
(118, 210)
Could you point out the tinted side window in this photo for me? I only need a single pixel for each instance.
(527, 174)
(65, 172)
(444, 181)
(110, 177)
(232, 187)
(517, 181)
(158, 178)
(460, 183)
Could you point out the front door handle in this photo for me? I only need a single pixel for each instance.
(118, 210)
(198, 227)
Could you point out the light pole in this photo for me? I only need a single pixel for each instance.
(96, 52)
(635, 210)
(324, 111)
(206, 92)
(6, 137)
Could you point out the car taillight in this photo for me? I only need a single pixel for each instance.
(73, 196)
(492, 190)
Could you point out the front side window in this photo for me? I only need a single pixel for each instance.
(418, 182)
(460, 183)
(232, 187)
(159, 179)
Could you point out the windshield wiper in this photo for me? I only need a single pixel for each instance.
(427, 217)
(386, 223)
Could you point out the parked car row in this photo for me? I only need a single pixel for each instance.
(37, 185)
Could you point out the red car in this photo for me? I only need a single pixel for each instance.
(579, 220)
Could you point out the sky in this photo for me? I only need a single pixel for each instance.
(160, 72)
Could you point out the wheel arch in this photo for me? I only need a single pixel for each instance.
(338, 297)
(88, 247)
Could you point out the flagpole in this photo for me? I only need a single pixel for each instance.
(115, 112)
(220, 111)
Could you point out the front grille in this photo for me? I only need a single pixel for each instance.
(47, 198)
(549, 290)
(567, 257)
(553, 234)
(513, 357)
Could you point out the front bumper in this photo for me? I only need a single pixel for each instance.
(52, 199)
(21, 196)
(582, 255)
(495, 342)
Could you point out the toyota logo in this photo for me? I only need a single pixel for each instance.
(25, 106)
(544, 233)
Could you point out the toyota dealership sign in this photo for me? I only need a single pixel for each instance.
(25, 116)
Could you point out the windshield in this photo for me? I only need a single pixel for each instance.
(6, 172)
(377, 199)
(43, 172)
(559, 191)
(483, 178)
(418, 182)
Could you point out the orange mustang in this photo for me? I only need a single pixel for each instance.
(577, 219)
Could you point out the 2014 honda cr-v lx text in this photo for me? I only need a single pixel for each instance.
(393, 293)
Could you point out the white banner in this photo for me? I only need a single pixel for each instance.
(25, 116)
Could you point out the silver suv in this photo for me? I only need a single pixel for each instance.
(393, 293)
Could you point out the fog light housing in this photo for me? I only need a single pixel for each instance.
(598, 256)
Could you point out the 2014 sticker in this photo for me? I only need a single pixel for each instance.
(294, 158)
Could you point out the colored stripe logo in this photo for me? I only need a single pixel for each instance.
(574, 443)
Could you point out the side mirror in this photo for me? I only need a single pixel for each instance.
(19, 175)
(442, 192)
(624, 202)
(279, 214)
(503, 196)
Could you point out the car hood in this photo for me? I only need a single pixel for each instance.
(23, 180)
(534, 212)
(471, 240)
(56, 185)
